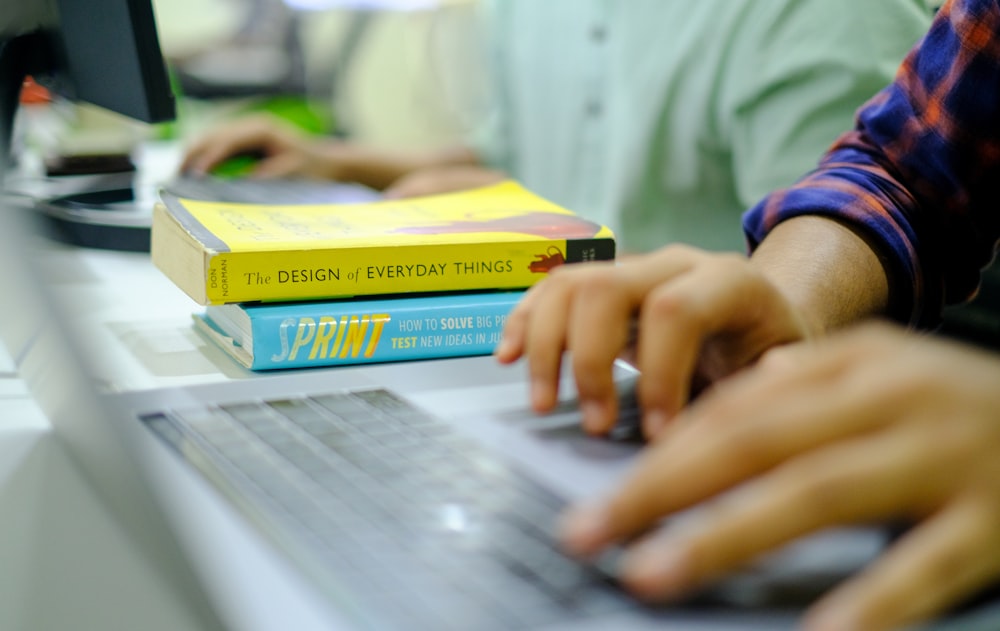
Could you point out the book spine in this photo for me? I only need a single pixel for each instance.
(399, 330)
(233, 277)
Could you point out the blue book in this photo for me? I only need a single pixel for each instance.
(268, 336)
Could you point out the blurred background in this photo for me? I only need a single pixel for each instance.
(404, 73)
(400, 72)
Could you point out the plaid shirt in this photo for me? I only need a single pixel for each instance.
(919, 177)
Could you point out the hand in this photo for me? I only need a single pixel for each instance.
(443, 179)
(283, 150)
(685, 315)
(864, 427)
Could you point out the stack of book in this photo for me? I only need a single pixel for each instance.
(305, 285)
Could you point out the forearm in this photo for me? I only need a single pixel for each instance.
(825, 269)
(380, 167)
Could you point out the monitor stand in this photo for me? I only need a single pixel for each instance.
(101, 212)
(103, 218)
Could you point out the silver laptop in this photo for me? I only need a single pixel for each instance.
(401, 496)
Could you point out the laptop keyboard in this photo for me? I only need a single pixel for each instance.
(269, 191)
(414, 525)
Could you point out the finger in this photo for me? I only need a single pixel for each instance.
(404, 190)
(550, 306)
(603, 325)
(511, 346)
(217, 148)
(193, 154)
(807, 378)
(677, 320)
(751, 424)
(945, 559)
(666, 354)
(600, 321)
(545, 339)
(783, 358)
(620, 286)
(207, 145)
(279, 165)
(521, 314)
(253, 134)
(416, 185)
(858, 480)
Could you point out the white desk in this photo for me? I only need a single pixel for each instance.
(141, 321)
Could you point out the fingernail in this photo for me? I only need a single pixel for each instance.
(593, 414)
(658, 569)
(584, 529)
(501, 347)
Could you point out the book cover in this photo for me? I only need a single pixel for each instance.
(495, 237)
(339, 332)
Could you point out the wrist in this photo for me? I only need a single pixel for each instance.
(337, 161)
(827, 272)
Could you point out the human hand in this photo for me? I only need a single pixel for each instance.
(443, 179)
(281, 149)
(864, 427)
(686, 316)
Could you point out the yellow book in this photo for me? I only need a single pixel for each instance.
(496, 237)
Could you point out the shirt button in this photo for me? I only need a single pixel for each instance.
(598, 33)
(594, 108)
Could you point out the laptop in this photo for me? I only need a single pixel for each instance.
(399, 496)
(275, 191)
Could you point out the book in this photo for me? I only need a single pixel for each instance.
(268, 336)
(496, 237)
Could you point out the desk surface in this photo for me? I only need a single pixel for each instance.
(141, 321)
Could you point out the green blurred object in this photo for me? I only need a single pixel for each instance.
(299, 111)
(235, 167)
(308, 116)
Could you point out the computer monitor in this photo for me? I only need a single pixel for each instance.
(103, 52)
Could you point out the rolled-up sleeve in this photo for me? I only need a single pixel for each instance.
(919, 176)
